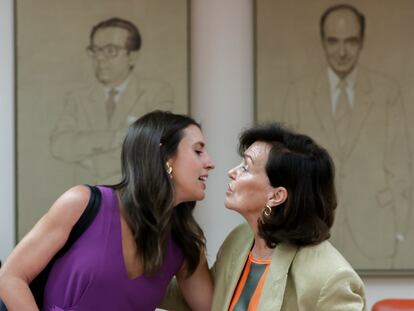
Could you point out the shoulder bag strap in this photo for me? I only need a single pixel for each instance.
(38, 284)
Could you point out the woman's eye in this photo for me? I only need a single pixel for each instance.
(244, 168)
(198, 152)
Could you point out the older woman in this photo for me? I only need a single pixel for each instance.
(281, 259)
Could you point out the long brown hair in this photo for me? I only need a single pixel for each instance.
(147, 193)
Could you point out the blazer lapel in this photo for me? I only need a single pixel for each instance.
(96, 109)
(273, 290)
(362, 106)
(128, 99)
(237, 263)
(321, 103)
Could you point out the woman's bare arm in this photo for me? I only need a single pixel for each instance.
(197, 289)
(38, 247)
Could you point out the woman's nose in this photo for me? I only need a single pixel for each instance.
(209, 163)
(232, 173)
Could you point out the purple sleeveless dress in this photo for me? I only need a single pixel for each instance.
(92, 274)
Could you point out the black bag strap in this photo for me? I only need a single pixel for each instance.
(84, 221)
(37, 286)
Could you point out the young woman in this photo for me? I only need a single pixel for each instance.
(143, 234)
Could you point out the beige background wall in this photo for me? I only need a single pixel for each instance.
(7, 155)
(224, 81)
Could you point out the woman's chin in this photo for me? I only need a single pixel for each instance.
(228, 205)
(198, 197)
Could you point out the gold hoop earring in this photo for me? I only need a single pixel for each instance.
(169, 169)
(267, 210)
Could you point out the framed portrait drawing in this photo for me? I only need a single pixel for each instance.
(85, 72)
(342, 72)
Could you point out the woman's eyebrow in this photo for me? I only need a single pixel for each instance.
(246, 156)
(199, 144)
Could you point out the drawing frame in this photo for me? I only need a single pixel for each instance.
(52, 64)
(288, 49)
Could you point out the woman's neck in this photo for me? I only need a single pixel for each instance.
(260, 250)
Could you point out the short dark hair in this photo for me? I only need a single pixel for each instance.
(134, 40)
(306, 170)
(360, 17)
(147, 193)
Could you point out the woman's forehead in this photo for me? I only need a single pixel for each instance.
(193, 135)
(258, 151)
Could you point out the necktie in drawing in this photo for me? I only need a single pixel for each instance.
(110, 104)
(342, 115)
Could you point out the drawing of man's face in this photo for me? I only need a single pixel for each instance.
(112, 62)
(342, 41)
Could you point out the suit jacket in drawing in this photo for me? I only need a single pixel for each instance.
(300, 278)
(84, 136)
(372, 171)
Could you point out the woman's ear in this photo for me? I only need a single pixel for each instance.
(278, 196)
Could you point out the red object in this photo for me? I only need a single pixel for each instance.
(394, 305)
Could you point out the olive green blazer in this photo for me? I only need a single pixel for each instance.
(300, 278)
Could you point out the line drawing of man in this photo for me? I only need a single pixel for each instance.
(94, 120)
(358, 115)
